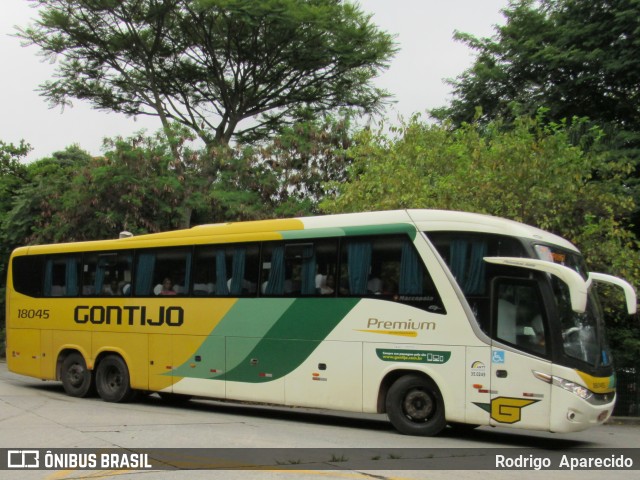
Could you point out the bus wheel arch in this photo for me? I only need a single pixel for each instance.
(112, 378)
(413, 402)
(72, 370)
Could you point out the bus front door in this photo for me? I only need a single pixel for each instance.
(519, 351)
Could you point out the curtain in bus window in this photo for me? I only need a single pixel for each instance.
(411, 271)
(468, 266)
(144, 273)
(359, 264)
(275, 282)
(221, 273)
(71, 277)
(475, 284)
(237, 271)
(308, 270)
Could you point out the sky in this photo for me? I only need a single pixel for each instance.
(415, 78)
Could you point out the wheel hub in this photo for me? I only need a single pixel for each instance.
(418, 405)
(76, 375)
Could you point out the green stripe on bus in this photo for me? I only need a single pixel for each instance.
(382, 229)
(291, 340)
(267, 339)
(249, 319)
(348, 231)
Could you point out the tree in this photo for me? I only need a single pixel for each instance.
(576, 58)
(219, 67)
(303, 160)
(532, 173)
(13, 173)
(138, 186)
(33, 216)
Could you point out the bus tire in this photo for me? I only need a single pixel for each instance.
(113, 381)
(76, 378)
(415, 406)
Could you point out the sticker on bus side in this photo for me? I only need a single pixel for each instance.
(416, 356)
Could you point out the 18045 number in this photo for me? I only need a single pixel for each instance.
(33, 313)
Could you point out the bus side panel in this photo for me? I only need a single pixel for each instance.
(23, 351)
(518, 399)
(198, 365)
(254, 372)
(133, 347)
(160, 363)
(48, 365)
(330, 378)
(478, 385)
(444, 364)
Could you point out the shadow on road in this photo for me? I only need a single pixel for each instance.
(375, 423)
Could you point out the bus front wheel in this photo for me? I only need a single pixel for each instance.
(415, 406)
(112, 380)
(77, 379)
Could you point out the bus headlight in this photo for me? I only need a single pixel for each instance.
(565, 384)
(572, 387)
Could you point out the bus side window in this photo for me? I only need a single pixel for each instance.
(305, 268)
(106, 274)
(225, 271)
(204, 271)
(62, 276)
(28, 272)
(326, 267)
(389, 267)
(162, 272)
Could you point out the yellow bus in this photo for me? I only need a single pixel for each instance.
(432, 317)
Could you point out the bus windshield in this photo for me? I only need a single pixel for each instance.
(583, 334)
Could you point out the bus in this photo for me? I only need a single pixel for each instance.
(435, 318)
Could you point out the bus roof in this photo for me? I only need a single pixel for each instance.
(424, 220)
(445, 220)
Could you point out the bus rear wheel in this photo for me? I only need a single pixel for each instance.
(415, 406)
(113, 381)
(77, 379)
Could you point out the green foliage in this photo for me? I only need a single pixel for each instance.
(13, 172)
(34, 217)
(576, 59)
(210, 65)
(139, 185)
(531, 173)
(303, 160)
(13, 175)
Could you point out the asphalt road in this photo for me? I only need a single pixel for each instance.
(38, 415)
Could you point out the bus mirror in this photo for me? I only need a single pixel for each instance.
(577, 286)
(629, 292)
